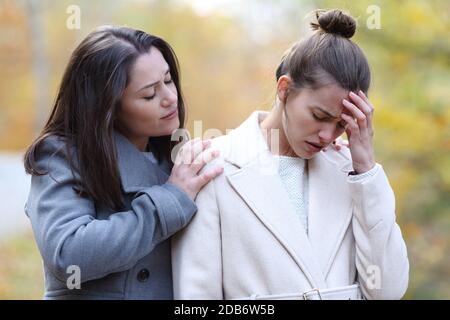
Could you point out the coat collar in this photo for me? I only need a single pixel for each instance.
(258, 183)
(136, 171)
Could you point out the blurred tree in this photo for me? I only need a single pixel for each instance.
(228, 60)
(15, 85)
(39, 61)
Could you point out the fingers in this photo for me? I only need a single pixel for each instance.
(335, 144)
(207, 176)
(357, 113)
(360, 102)
(191, 159)
(366, 100)
(363, 103)
(198, 148)
(338, 144)
(183, 155)
(352, 126)
(371, 110)
(191, 150)
(202, 159)
(195, 155)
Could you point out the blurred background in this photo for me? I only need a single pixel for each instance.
(229, 51)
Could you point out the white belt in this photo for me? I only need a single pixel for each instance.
(339, 293)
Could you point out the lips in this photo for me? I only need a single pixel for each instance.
(314, 146)
(170, 114)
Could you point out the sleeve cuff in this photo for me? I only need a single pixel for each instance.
(173, 206)
(373, 197)
(187, 204)
(364, 176)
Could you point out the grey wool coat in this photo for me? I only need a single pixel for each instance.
(115, 255)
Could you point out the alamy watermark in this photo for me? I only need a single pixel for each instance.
(74, 280)
(73, 21)
(373, 281)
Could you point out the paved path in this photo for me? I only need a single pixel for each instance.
(14, 187)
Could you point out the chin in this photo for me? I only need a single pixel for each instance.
(304, 154)
(308, 156)
(169, 130)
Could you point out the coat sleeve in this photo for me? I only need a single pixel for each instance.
(68, 233)
(197, 254)
(381, 255)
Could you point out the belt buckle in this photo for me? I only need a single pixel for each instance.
(305, 294)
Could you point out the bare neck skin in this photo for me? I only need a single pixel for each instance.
(273, 121)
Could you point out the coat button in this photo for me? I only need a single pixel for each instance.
(143, 275)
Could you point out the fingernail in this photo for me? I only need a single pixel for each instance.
(360, 91)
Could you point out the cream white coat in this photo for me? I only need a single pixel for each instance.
(247, 239)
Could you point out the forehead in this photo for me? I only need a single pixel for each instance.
(148, 67)
(328, 98)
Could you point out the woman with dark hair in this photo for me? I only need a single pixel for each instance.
(287, 220)
(105, 196)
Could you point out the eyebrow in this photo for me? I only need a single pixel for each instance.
(153, 83)
(326, 112)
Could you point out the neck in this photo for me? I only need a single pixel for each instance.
(139, 141)
(274, 121)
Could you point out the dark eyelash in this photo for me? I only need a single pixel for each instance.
(151, 97)
(317, 118)
(322, 119)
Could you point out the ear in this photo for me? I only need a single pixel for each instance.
(283, 85)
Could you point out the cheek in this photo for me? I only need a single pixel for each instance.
(148, 120)
(138, 114)
(301, 125)
(173, 88)
(294, 129)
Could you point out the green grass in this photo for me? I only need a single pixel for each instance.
(21, 275)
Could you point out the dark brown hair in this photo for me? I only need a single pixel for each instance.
(327, 56)
(84, 111)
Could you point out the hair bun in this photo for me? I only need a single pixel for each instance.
(335, 22)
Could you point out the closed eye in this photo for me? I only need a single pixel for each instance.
(340, 124)
(150, 97)
(317, 118)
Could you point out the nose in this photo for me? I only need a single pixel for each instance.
(170, 97)
(327, 135)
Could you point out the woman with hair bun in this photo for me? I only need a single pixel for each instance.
(287, 220)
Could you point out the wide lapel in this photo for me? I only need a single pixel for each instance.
(330, 207)
(259, 185)
(136, 171)
(265, 195)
